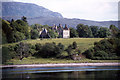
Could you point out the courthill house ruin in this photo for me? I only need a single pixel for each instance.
(63, 32)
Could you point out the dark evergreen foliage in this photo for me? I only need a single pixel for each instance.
(73, 33)
(74, 45)
(34, 34)
(105, 49)
(48, 50)
(84, 31)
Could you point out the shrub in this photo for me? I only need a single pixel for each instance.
(7, 54)
(74, 45)
(69, 50)
(38, 46)
(32, 51)
(100, 54)
(22, 50)
(61, 46)
(34, 34)
(48, 50)
(19, 36)
(89, 53)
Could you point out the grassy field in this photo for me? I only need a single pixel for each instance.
(83, 43)
(33, 60)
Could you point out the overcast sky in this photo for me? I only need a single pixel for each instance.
(98, 10)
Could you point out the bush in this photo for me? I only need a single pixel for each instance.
(48, 50)
(7, 54)
(74, 45)
(38, 46)
(100, 54)
(34, 34)
(19, 36)
(69, 50)
(61, 46)
(32, 51)
(89, 53)
(22, 50)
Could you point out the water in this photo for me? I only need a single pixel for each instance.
(62, 73)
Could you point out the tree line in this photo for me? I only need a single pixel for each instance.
(86, 31)
(107, 48)
(47, 50)
(17, 30)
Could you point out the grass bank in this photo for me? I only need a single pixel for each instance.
(33, 60)
(83, 43)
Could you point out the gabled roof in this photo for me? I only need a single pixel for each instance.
(44, 30)
(66, 28)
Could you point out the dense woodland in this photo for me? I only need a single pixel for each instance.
(18, 30)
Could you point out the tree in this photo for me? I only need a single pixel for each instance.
(48, 50)
(61, 46)
(103, 32)
(21, 29)
(38, 46)
(34, 34)
(24, 19)
(100, 54)
(22, 50)
(5, 54)
(69, 50)
(84, 31)
(114, 30)
(53, 34)
(94, 30)
(18, 36)
(89, 53)
(74, 45)
(24, 28)
(73, 33)
(4, 38)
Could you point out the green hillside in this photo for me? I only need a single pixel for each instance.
(83, 43)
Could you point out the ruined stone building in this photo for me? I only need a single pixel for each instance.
(63, 32)
(44, 33)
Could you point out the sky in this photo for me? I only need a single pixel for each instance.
(97, 10)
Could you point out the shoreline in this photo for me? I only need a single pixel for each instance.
(60, 65)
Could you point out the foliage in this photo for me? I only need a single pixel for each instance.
(89, 53)
(48, 50)
(24, 19)
(74, 45)
(38, 46)
(69, 50)
(7, 54)
(18, 36)
(100, 54)
(73, 33)
(94, 30)
(114, 30)
(34, 34)
(4, 38)
(53, 34)
(84, 31)
(103, 32)
(105, 49)
(61, 46)
(15, 30)
(22, 50)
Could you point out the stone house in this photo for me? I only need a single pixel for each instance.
(63, 32)
(44, 33)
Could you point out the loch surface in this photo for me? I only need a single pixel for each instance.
(62, 73)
